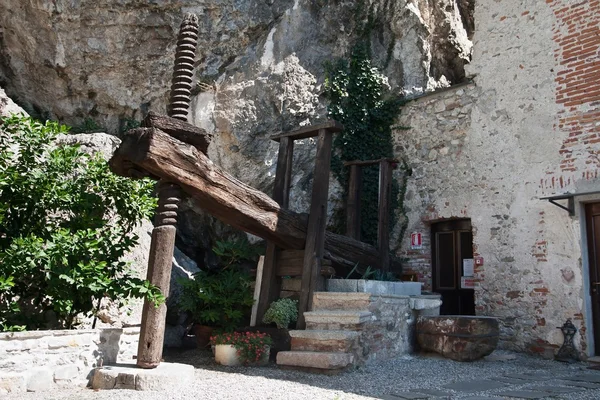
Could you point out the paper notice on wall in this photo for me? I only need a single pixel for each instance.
(467, 282)
(468, 267)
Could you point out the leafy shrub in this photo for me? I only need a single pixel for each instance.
(282, 312)
(233, 252)
(220, 299)
(65, 224)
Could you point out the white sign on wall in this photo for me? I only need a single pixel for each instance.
(468, 267)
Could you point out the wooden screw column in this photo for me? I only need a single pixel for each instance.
(159, 273)
(152, 332)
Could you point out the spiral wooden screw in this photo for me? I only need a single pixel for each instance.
(152, 331)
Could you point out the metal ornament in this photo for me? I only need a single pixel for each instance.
(567, 352)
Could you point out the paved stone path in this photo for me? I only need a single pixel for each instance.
(528, 385)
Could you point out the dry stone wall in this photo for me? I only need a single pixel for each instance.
(524, 129)
(42, 360)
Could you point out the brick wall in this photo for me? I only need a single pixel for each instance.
(576, 33)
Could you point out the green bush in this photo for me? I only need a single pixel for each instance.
(220, 299)
(282, 312)
(65, 224)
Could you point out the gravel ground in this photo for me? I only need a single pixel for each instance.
(373, 381)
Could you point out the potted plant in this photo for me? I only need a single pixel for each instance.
(282, 313)
(216, 300)
(241, 348)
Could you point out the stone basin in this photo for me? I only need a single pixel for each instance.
(458, 337)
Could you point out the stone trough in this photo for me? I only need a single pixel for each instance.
(460, 338)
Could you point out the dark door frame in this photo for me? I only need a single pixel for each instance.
(592, 243)
(464, 298)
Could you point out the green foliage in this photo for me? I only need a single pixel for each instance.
(65, 224)
(220, 299)
(360, 100)
(282, 312)
(233, 252)
(127, 124)
(88, 126)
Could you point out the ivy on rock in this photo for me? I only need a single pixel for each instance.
(361, 100)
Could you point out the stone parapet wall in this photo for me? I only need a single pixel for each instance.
(391, 330)
(39, 360)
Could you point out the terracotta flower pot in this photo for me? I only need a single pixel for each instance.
(203, 334)
(226, 354)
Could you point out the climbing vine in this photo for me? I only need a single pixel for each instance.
(360, 99)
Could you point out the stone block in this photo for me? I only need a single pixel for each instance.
(323, 340)
(379, 287)
(66, 372)
(340, 301)
(12, 382)
(338, 317)
(165, 377)
(461, 338)
(39, 379)
(126, 380)
(318, 360)
(342, 285)
(104, 378)
(406, 288)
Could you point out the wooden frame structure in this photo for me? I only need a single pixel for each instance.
(386, 166)
(312, 257)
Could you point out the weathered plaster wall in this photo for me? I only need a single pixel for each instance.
(490, 150)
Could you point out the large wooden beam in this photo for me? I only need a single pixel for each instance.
(317, 221)
(227, 198)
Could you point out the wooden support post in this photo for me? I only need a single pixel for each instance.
(315, 234)
(353, 204)
(383, 227)
(271, 283)
(152, 331)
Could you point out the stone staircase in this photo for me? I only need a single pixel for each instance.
(332, 339)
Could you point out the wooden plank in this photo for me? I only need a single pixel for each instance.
(383, 227)
(216, 191)
(291, 284)
(271, 282)
(315, 233)
(259, 276)
(228, 199)
(291, 255)
(353, 204)
(309, 131)
(369, 162)
(180, 130)
(295, 268)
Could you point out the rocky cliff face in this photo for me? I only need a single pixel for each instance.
(260, 64)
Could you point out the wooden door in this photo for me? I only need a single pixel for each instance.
(452, 242)
(592, 221)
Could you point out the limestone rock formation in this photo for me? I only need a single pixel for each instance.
(260, 68)
(7, 106)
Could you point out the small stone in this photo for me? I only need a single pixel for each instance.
(66, 372)
(12, 382)
(40, 378)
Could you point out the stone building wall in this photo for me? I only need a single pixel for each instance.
(527, 127)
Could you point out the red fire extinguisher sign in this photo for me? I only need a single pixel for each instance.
(416, 240)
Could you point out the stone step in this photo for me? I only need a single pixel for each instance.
(316, 361)
(594, 360)
(325, 341)
(336, 319)
(340, 301)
